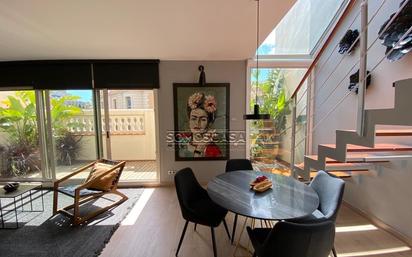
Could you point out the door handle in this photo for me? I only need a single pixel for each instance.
(107, 134)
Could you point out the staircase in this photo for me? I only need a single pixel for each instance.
(353, 152)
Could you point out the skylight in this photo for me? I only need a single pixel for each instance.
(299, 32)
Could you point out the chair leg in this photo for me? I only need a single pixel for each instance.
(195, 226)
(234, 229)
(213, 241)
(181, 237)
(226, 228)
(76, 214)
(55, 199)
(334, 252)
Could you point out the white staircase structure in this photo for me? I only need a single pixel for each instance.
(354, 152)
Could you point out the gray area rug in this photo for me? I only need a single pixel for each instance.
(41, 235)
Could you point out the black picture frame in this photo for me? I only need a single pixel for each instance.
(195, 142)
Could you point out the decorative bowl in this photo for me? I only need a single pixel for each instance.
(10, 187)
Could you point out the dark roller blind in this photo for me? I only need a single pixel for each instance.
(16, 74)
(68, 75)
(127, 74)
(77, 74)
(46, 74)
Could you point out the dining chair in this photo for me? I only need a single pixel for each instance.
(234, 165)
(196, 205)
(238, 164)
(288, 239)
(330, 191)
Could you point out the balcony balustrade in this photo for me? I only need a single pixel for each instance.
(121, 122)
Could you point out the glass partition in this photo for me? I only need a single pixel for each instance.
(270, 140)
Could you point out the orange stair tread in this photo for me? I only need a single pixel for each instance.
(343, 174)
(339, 174)
(394, 132)
(377, 148)
(315, 157)
(388, 132)
(349, 157)
(349, 165)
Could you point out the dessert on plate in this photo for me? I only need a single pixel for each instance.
(261, 184)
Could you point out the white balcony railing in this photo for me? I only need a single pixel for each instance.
(121, 122)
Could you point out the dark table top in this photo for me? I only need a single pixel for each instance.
(23, 188)
(287, 199)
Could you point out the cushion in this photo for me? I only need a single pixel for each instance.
(104, 183)
(69, 190)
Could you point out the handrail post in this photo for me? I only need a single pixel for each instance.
(360, 125)
(293, 139)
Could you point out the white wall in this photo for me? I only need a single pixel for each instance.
(386, 196)
(233, 72)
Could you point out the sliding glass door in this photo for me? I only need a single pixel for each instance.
(73, 130)
(128, 123)
(47, 134)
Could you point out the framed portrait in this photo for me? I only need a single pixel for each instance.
(201, 121)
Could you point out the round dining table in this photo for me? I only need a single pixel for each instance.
(287, 199)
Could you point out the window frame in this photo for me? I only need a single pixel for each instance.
(319, 43)
(128, 100)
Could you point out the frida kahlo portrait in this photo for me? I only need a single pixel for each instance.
(201, 121)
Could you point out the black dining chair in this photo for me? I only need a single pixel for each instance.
(196, 205)
(288, 239)
(238, 164)
(234, 165)
(330, 191)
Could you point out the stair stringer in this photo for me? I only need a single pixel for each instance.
(399, 115)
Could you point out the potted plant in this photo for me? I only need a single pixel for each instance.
(68, 147)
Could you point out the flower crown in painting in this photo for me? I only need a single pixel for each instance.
(204, 102)
(199, 100)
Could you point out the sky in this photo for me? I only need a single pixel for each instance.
(85, 95)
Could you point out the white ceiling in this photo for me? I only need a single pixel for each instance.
(135, 29)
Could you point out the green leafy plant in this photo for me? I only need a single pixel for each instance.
(62, 112)
(18, 119)
(272, 98)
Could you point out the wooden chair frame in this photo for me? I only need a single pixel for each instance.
(78, 199)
